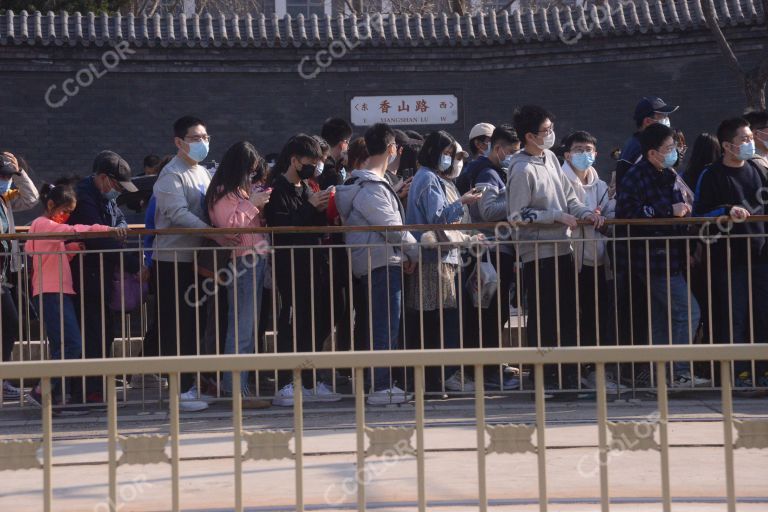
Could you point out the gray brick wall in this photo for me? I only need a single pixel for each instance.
(258, 95)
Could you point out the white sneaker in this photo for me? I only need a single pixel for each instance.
(453, 383)
(203, 397)
(322, 394)
(189, 403)
(611, 386)
(10, 392)
(284, 397)
(513, 311)
(393, 395)
(684, 380)
(148, 381)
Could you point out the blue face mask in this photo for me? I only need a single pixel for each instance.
(198, 150)
(582, 161)
(746, 150)
(343, 174)
(507, 162)
(670, 158)
(5, 186)
(111, 195)
(445, 163)
(487, 151)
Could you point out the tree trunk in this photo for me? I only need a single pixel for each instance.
(754, 90)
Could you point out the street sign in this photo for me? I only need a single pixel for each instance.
(404, 110)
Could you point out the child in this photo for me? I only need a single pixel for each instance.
(52, 277)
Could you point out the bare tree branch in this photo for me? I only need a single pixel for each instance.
(708, 7)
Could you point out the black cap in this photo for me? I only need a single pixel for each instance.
(651, 105)
(111, 164)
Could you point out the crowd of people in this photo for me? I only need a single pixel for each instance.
(578, 280)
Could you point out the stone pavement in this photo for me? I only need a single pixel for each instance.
(696, 460)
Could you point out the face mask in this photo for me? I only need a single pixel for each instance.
(391, 158)
(319, 169)
(111, 195)
(343, 174)
(60, 218)
(582, 161)
(198, 150)
(487, 151)
(507, 162)
(445, 163)
(670, 158)
(549, 141)
(5, 186)
(665, 122)
(307, 171)
(746, 151)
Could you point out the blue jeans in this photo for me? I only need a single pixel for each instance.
(677, 295)
(385, 310)
(58, 312)
(244, 288)
(737, 301)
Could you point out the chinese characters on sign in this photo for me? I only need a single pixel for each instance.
(404, 110)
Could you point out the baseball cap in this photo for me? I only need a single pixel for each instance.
(111, 164)
(650, 105)
(481, 129)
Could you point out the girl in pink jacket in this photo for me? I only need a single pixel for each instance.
(52, 277)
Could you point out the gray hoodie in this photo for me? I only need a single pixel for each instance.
(370, 201)
(538, 194)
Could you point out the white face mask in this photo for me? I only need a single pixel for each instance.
(549, 141)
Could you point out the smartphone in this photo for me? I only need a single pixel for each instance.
(406, 173)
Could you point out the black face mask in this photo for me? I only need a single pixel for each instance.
(306, 171)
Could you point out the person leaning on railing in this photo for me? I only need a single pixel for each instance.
(379, 257)
(648, 191)
(542, 203)
(23, 197)
(733, 186)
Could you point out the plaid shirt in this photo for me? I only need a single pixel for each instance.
(646, 193)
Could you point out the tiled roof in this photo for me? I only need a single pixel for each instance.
(623, 17)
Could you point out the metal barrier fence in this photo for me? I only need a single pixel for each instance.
(699, 287)
(504, 438)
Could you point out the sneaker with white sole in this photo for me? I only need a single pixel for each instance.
(322, 393)
(202, 397)
(611, 386)
(188, 402)
(148, 381)
(284, 397)
(393, 395)
(454, 383)
(685, 380)
(10, 392)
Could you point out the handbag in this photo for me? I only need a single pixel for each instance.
(483, 282)
(128, 292)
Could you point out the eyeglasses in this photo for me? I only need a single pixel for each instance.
(116, 184)
(198, 138)
(548, 131)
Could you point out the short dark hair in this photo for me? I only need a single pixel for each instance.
(434, 145)
(151, 160)
(528, 119)
(335, 130)
(300, 146)
(504, 134)
(728, 128)
(182, 125)
(378, 137)
(654, 136)
(580, 137)
(757, 119)
(414, 134)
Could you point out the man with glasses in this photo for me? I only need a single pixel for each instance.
(735, 186)
(758, 123)
(96, 204)
(180, 203)
(648, 192)
(336, 132)
(543, 208)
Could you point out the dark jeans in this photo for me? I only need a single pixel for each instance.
(385, 310)
(433, 376)
(596, 315)
(734, 308)
(551, 311)
(59, 316)
(673, 311)
(9, 323)
(179, 302)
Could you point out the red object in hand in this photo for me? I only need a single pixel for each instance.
(331, 212)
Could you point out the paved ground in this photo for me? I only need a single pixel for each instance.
(80, 473)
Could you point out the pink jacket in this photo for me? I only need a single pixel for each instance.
(235, 211)
(48, 256)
